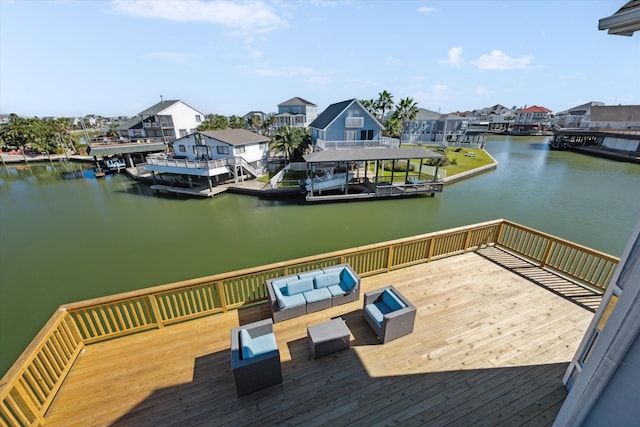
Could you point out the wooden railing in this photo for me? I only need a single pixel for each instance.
(576, 262)
(26, 391)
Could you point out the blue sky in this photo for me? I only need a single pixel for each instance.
(67, 58)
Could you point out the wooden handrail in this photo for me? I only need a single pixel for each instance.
(29, 387)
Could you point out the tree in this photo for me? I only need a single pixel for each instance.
(255, 122)
(268, 124)
(214, 122)
(292, 142)
(237, 122)
(407, 110)
(393, 126)
(370, 105)
(384, 103)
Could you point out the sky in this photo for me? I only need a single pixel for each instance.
(117, 58)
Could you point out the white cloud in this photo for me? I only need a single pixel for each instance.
(498, 60)
(481, 90)
(426, 9)
(440, 90)
(454, 57)
(240, 18)
(390, 60)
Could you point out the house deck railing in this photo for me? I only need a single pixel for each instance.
(373, 143)
(29, 387)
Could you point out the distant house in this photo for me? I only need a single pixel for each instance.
(531, 119)
(576, 117)
(346, 124)
(431, 127)
(296, 112)
(163, 122)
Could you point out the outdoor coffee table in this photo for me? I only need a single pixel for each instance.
(328, 337)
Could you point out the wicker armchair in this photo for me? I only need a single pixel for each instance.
(255, 358)
(388, 313)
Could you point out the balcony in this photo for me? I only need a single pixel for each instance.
(501, 311)
(354, 122)
(373, 143)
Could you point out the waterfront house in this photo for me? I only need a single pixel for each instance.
(576, 117)
(430, 127)
(531, 120)
(228, 153)
(296, 112)
(347, 124)
(162, 122)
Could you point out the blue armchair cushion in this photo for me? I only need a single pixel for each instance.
(392, 301)
(315, 295)
(326, 280)
(377, 310)
(308, 274)
(252, 347)
(298, 286)
(347, 281)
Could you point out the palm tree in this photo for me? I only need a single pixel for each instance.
(268, 124)
(255, 122)
(236, 122)
(384, 103)
(407, 110)
(370, 105)
(393, 126)
(214, 122)
(292, 142)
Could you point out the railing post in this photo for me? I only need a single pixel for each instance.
(499, 236)
(156, 310)
(389, 258)
(467, 240)
(223, 297)
(547, 251)
(432, 243)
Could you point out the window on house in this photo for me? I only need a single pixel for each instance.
(198, 118)
(240, 150)
(181, 148)
(363, 135)
(370, 134)
(200, 139)
(222, 149)
(183, 132)
(263, 145)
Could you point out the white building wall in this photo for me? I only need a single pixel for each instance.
(184, 117)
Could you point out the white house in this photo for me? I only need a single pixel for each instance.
(230, 152)
(162, 122)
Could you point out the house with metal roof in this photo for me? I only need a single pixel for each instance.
(162, 122)
(347, 124)
(296, 112)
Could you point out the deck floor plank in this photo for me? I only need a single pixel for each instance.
(489, 346)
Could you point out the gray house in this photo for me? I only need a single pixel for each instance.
(296, 112)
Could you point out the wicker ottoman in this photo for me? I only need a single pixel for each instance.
(328, 337)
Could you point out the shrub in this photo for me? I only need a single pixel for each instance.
(398, 167)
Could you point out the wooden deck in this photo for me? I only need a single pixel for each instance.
(489, 348)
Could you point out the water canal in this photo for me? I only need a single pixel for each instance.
(64, 240)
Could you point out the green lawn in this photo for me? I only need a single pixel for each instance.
(466, 159)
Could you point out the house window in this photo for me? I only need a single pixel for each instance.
(240, 150)
(200, 139)
(183, 132)
(263, 145)
(222, 150)
(366, 135)
(181, 148)
(198, 118)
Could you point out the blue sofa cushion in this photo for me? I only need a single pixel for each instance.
(325, 280)
(308, 274)
(392, 301)
(347, 281)
(288, 301)
(336, 290)
(298, 286)
(252, 347)
(377, 310)
(315, 295)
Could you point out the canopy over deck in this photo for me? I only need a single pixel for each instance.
(366, 154)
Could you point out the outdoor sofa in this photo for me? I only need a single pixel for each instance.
(388, 313)
(255, 358)
(299, 294)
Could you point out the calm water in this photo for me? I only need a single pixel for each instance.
(68, 240)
